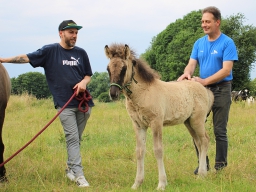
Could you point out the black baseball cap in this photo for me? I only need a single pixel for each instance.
(67, 24)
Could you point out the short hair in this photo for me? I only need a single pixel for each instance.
(213, 10)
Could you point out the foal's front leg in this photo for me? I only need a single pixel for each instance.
(140, 153)
(158, 150)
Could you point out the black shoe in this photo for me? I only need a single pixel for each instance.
(196, 170)
(220, 166)
(3, 179)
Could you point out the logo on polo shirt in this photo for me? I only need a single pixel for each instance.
(214, 52)
(74, 62)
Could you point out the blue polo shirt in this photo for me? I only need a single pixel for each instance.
(210, 55)
(64, 68)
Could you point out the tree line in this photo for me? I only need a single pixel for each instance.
(168, 53)
(34, 83)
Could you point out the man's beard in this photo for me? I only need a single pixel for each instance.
(69, 44)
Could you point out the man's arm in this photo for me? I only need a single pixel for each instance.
(189, 70)
(221, 74)
(17, 59)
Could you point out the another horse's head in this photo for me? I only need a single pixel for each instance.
(119, 67)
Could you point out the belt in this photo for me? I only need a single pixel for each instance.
(219, 84)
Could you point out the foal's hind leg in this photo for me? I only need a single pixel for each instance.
(202, 146)
(201, 139)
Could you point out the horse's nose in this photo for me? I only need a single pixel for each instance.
(114, 92)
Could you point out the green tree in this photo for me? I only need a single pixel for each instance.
(99, 84)
(33, 83)
(252, 87)
(244, 38)
(170, 50)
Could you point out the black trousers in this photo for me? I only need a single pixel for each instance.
(220, 110)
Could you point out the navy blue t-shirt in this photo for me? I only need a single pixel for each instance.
(64, 68)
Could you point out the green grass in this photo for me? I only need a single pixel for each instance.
(108, 151)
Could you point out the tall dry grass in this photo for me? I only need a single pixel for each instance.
(108, 151)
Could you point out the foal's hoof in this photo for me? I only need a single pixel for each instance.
(202, 174)
(135, 186)
(161, 186)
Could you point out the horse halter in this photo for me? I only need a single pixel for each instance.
(125, 87)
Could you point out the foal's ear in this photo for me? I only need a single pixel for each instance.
(107, 52)
(127, 51)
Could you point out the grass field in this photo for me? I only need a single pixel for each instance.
(108, 151)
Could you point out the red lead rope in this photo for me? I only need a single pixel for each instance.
(82, 97)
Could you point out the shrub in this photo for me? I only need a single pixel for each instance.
(104, 97)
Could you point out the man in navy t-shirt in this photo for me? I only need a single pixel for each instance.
(67, 68)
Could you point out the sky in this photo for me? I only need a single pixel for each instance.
(27, 25)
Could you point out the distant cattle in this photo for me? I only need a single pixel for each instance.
(241, 95)
(250, 100)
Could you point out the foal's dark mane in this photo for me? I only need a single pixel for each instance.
(144, 70)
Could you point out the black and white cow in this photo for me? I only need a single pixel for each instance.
(241, 95)
(250, 100)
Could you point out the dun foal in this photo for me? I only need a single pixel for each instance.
(153, 103)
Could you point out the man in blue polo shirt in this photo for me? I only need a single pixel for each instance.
(215, 53)
(67, 68)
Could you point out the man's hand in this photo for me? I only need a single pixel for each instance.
(199, 80)
(81, 87)
(184, 76)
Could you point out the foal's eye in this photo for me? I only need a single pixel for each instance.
(123, 70)
(108, 71)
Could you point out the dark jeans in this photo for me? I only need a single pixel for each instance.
(220, 110)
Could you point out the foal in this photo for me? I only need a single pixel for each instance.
(153, 103)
